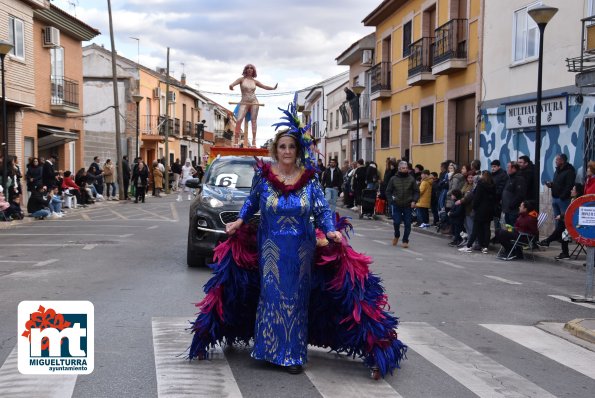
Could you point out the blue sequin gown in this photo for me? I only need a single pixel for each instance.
(287, 242)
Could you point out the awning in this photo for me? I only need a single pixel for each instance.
(48, 137)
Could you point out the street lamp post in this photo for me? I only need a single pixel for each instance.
(5, 48)
(358, 90)
(541, 15)
(137, 98)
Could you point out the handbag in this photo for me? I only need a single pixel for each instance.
(379, 206)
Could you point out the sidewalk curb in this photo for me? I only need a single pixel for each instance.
(539, 255)
(575, 328)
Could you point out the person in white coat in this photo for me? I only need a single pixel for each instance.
(187, 172)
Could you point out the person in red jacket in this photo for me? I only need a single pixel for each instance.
(70, 187)
(590, 182)
(526, 223)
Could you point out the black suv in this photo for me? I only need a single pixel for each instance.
(221, 196)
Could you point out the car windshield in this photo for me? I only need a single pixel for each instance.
(231, 174)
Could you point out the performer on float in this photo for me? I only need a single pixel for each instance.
(249, 102)
(284, 283)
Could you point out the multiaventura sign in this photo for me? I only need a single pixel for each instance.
(523, 115)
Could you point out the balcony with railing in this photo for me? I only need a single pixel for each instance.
(380, 75)
(65, 95)
(187, 129)
(349, 110)
(450, 47)
(419, 68)
(584, 64)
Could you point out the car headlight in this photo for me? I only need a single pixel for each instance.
(211, 202)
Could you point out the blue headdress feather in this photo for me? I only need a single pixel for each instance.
(297, 130)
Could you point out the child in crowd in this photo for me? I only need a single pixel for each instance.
(55, 202)
(456, 215)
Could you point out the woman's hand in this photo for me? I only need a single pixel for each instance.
(232, 227)
(334, 236)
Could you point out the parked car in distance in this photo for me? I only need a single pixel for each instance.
(220, 197)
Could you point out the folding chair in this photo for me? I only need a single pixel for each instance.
(526, 241)
(578, 249)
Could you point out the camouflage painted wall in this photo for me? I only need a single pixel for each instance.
(496, 142)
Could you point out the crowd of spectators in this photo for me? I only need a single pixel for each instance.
(465, 202)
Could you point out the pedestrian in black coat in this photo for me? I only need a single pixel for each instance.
(49, 172)
(483, 211)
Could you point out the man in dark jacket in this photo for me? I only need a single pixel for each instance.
(402, 193)
(513, 194)
(359, 183)
(49, 172)
(98, 174)
(564, 178)
(332, 179)
(499, 176)
(527, 171)
(125, 175)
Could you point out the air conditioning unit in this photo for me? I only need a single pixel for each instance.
(157, 92)
(171, 96)
(367, 57)
(51, 37)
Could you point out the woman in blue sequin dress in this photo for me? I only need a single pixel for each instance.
(286, 195)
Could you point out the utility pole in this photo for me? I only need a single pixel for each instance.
(167, 125)
(116, 105)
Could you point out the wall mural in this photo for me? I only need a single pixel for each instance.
(496, 142)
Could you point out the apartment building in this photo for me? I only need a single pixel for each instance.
(43, 92)
(425, 79)
(510, 68)
(356, 106)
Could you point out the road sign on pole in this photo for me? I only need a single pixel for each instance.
(580, 223)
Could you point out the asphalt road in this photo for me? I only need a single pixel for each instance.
(474, 324)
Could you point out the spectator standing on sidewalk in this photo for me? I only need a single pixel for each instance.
(176, 169)
(157, 179)
(125, 175)
(34, 175)
(513, 193)
(49, 172)
(435, 198)
(98, 173)
(590, 180)
(562, 184)
(140, 177)
(466, 201)
(402, 193)
(358, 183)
(499, 176)
(109, 174)
(483, 211)
(332, 179)
(372, 176)
(425, 199)
(456, 215)
(527, 171)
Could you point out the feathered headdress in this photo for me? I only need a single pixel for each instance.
(297, 130)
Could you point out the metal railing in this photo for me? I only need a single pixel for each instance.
(348, 109)
(586, 61)
(450, 40)
(65, 92)
(187, 128)
(421, 57)
(380, 76)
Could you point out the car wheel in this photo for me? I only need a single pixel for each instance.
(193, 259)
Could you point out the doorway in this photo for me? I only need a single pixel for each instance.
(465, 130)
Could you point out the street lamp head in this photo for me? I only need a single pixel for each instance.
(542, 14)
(137, 98)
(5, 47)
(358, 89)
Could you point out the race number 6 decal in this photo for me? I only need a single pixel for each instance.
(226, 180)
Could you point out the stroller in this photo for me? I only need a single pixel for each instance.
(368, 206)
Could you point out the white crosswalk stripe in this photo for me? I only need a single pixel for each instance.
(336, 375)
(179, 378)
(561, 351)
(16, 385)
(479, 373)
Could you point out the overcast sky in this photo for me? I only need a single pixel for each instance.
(293, 43)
